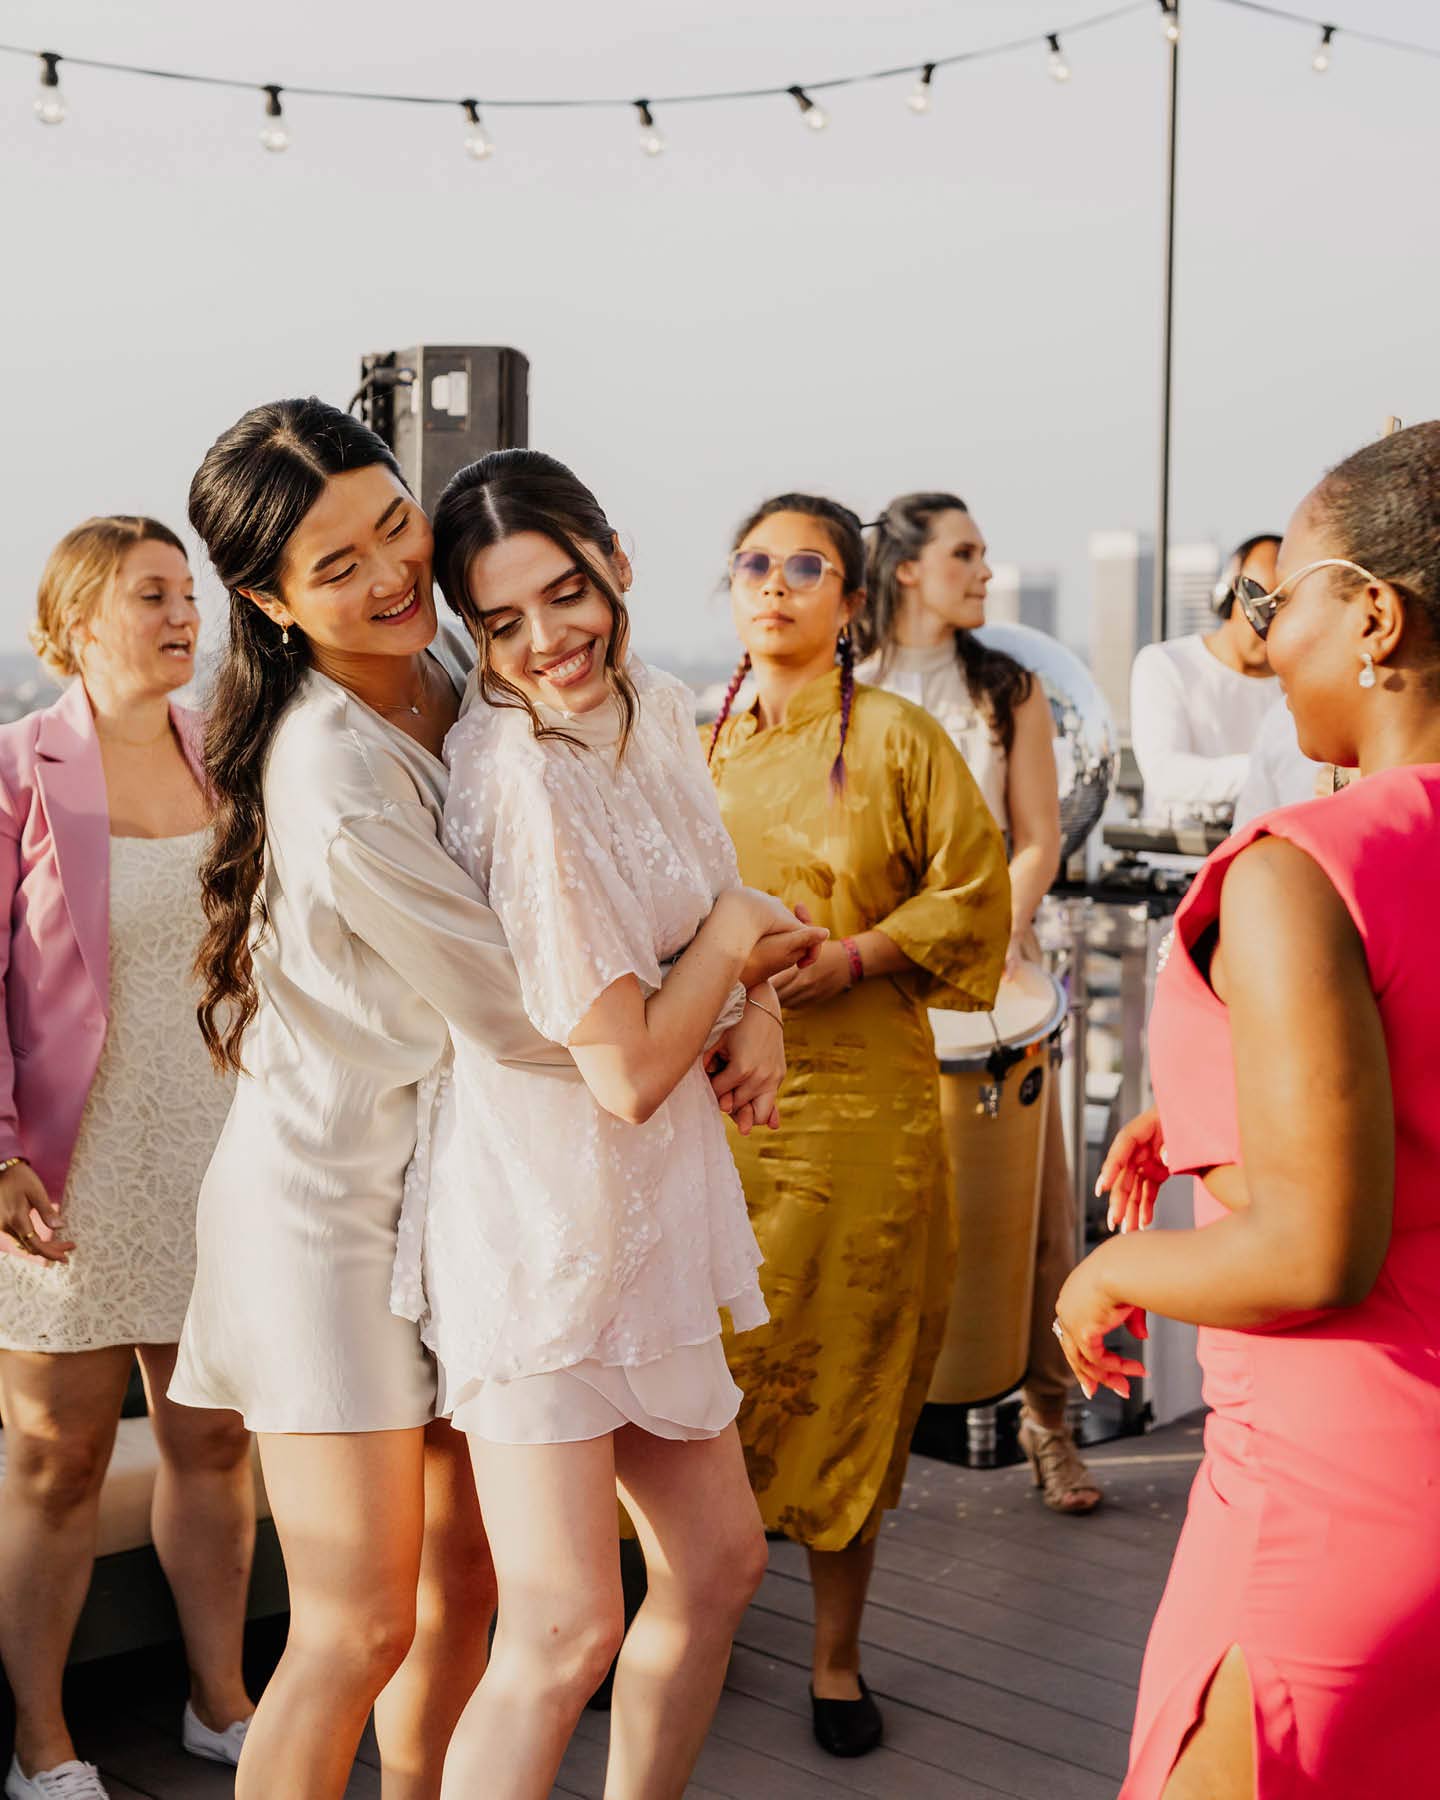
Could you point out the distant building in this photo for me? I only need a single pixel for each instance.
(1024, 597)
(1122, 580)
(1194, 570)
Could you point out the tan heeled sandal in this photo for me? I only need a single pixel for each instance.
(1057, 1467)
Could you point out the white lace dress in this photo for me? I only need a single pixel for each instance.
(567, 1268)
(150, 1124)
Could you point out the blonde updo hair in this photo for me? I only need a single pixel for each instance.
(80, 568)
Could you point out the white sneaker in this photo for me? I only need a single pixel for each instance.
(70, 1781)
(215, 1746)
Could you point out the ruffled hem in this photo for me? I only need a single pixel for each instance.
(684, 1395)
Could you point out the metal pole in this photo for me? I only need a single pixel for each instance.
(1077, 920)
(1161, 606)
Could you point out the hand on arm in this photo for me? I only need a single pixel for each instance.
(632, 1051)
(832, 971)
(1316, 1125)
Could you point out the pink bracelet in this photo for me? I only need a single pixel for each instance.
(857, 967)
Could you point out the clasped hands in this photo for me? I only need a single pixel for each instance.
(747, 1065)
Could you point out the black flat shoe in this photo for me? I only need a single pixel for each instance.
(848, 1727)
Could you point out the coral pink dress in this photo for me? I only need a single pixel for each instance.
(1313, 1535)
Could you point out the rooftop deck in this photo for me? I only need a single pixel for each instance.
(1003, 1643)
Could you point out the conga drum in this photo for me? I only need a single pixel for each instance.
(995, 1073)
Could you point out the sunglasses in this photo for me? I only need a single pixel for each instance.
(803, 570)
(1260, 608)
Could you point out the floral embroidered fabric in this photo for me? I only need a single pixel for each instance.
(538, 1230)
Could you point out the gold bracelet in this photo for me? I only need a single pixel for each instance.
(766, 1010)
(12, 1162)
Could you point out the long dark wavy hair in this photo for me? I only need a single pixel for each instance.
(505, 493)
(846, 534)
(996, 682)
(257, 482)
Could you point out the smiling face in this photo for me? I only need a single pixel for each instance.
(546, 624)
(356, 576)
(950, 576)
(780, 624)
(140, 640)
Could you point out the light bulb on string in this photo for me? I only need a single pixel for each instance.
(1172, 21)
(651, 141)
(1320, 62)
(918, 99)
(273, 134)
(814, 116)
(50, 102)
(477, 140)
(1057, 65)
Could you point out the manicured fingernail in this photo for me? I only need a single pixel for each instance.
(1099, 1186)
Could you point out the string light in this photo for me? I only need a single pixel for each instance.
(273, 134)
(50, 102)
(918, 100)
(651, 141)
(477, 142)
(814, 116)
(50, 107)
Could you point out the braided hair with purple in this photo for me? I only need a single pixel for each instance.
(737, 681)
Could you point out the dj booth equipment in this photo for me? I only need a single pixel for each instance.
(441, 406)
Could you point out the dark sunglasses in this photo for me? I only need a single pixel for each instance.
(1260, 608)
(803, 570)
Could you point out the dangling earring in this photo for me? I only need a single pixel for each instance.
(285, 637)
(1367, 672)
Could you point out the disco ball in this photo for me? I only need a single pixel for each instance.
(1087, 754)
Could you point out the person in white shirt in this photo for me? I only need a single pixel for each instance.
(1197, 703)
(1280, 773)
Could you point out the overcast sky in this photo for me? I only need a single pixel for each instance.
(968, 299)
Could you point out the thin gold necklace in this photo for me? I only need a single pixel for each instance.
(411, 706)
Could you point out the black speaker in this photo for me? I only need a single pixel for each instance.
(440, 406)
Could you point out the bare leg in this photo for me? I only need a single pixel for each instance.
(417, 1712)
(1218, 1760)
(349, 1510)
(705, 1556)
(203, 1522)
(841, 1580)
(554, 1534)
(60, 1414)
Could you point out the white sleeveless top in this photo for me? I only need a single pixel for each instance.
(935, 679)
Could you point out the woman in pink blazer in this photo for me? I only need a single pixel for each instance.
(109, 1110)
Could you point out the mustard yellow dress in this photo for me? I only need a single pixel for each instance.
(851, 1198)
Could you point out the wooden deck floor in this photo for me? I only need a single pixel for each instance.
(1003, 1643)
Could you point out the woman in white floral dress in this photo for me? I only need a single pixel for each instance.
(570, 1246)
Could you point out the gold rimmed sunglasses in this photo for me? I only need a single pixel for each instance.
(1260, 608)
